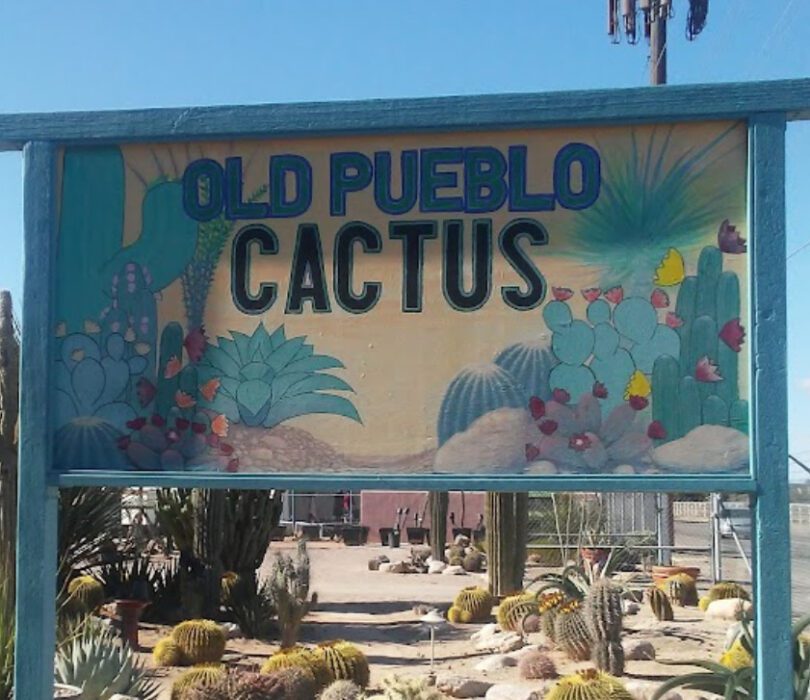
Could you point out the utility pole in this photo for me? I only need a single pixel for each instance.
(624, 19)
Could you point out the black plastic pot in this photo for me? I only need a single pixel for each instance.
(394, 538)
(354, 535)
(417, 535)
(385, 533)
(466, 531)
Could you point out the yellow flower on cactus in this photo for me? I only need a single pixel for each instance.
(638, 385)
(670, 270)
(737, 657)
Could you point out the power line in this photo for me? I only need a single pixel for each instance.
(798, 250)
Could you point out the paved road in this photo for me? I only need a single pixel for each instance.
(690, 534)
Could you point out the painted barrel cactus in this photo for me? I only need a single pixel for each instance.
(530, 364)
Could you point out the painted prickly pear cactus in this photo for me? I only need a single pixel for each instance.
(568, 301)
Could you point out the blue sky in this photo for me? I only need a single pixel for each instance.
(111, 55)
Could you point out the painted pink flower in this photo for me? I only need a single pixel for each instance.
(548, 427)
(537, 407)
(532, 453)
(733, 334)
(656, 431)
(729, 240)
(673, 320)
(562, 293)
(226, 449)
(233, 465)
(212, 440)
(615, 295)
(592, 293)
(172, 436)
(659, 298)
(579, 442)
(706, 371)
(638, 403)
(560, 396)
(195, 343)
(173, 367)
(600, 390)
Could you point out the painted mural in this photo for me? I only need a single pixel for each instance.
(512, 302)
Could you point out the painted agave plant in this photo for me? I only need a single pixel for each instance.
(266, 378)
(578, 438)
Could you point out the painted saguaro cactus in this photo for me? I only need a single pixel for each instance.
(701, 386)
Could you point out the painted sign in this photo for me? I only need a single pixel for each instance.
(508, 302)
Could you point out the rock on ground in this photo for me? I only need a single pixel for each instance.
(454, 571)
(502, 642)
(487, 631)
(462, 687)
(495, 663)
(436, 567)
(509, 691)
(728, 609)
(638, 650)
(644, 690)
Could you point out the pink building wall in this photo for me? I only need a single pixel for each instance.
(378, 509)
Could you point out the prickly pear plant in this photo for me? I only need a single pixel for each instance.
(603, 612)
(289, 590)
(701, 385)
(660, 604)
(571, 632)
(589, 685)
(200, 641)
(266, 378)
(477, 602)
(615, 346)
(345, 661)
(578, 438)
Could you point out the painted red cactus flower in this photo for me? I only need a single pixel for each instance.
(659, 298)
(592, 293)
(136, 423)
(173, 367)
(638, 403)
(210, 388)
(733, 334)
(615, 295)
(195, 343)
(233, 465)
(212, 440)
(706, 371)
(226, 449)
(184, 400)
(537, 407)
(656, 431)
(146, 391)
(182, 424)
(579, 442)
(560, 396)
(562, 293)
(198, 428)
(123, 442)
(729, 239)
(673, 320)
(600, 390)
(158, 421)
(532, 453)
(548, 427)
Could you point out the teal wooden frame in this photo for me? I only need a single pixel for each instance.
(764, 106)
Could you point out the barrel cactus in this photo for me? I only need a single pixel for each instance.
(514, 608)
(737, 656)
(201, 641)
(603, 612)
(478, 602)
(660, 605)
(300, 657)
(536, 665)
(342, 690)
(727, 589)
(202, 676)
(85, 595)
(681, 589)
(345, 662)
(167, 652)
(571, 632)
(589, 685)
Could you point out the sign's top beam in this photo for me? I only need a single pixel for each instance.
(646, 104)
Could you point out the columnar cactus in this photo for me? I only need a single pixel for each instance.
(506, 530)
(603, 612)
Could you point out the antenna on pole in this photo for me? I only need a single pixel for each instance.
(630, 18)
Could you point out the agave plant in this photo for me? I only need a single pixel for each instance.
(652, 199)
(738, 683)
(96, 662)
(266, 378)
